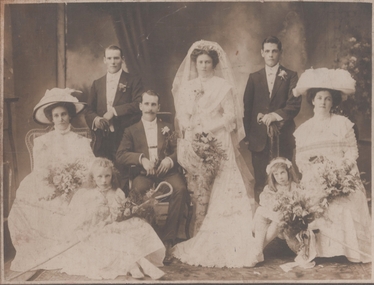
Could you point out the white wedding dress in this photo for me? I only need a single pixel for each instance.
(224, 238)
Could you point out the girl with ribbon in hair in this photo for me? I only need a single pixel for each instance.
(206, 101)
(282, 180)
(104, 245)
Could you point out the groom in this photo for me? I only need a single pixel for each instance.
(145, 144)
(268, 99)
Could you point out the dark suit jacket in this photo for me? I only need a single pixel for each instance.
(126, 103)
(134, 143)
(281, 101)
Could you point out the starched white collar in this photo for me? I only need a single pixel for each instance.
(63, 132)
(113, 76)
(273, 70)
(149, 125)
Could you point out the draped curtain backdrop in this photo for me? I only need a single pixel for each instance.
(132, 36)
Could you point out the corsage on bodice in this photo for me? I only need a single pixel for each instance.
(208, 104)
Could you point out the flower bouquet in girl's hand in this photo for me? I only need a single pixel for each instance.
(137, 205)
(65, 180)
(142, 206)
(296, 211)
(335, 178)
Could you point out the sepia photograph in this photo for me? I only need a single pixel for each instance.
(186, 142)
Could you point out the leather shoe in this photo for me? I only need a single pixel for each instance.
(168, 255)
(168, 259)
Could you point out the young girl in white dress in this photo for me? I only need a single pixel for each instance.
(282, 179)
(107, 247)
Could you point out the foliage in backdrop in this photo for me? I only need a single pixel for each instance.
(355, 57)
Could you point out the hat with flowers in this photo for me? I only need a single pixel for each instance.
(56, 95)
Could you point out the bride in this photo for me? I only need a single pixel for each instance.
(206, 101)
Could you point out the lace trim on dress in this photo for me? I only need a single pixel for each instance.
(323, 145)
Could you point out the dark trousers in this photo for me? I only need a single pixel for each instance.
(261, 159)
(105, 145)
(177, 200)
(108, 148)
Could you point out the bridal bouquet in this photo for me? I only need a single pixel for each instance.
(335, 179)
(65, 179)
(210, 152)
(201, 157)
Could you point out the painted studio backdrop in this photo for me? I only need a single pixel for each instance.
(62, 45)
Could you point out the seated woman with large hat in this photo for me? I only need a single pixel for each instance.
(61, 159)
(326, 154)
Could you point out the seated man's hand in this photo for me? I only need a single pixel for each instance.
(198, 129)
(102, 124)
(148, 166)
(164, 167)
(109, 114)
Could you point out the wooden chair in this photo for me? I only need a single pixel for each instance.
(34, 133)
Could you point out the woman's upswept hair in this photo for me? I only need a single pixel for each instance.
(70, 107)
(275, 164)
(104, 163)
(210, 52)
(335, 94)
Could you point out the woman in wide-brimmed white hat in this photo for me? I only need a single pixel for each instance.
(60, 158)
(325, 145)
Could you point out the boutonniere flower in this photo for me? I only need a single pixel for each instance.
(122, 87)
(198, 93)
(165, 130)
(283, 74)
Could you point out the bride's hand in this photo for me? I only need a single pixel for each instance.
(198, 129)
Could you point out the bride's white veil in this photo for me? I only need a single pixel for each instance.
(186, 72)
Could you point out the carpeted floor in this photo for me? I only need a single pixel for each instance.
(331, 269)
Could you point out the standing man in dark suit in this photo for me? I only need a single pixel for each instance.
(146, 145)
(113, 105)
(268, 98)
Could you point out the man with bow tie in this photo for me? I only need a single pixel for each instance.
(268, 98)
(113, 105)
(146, 144)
